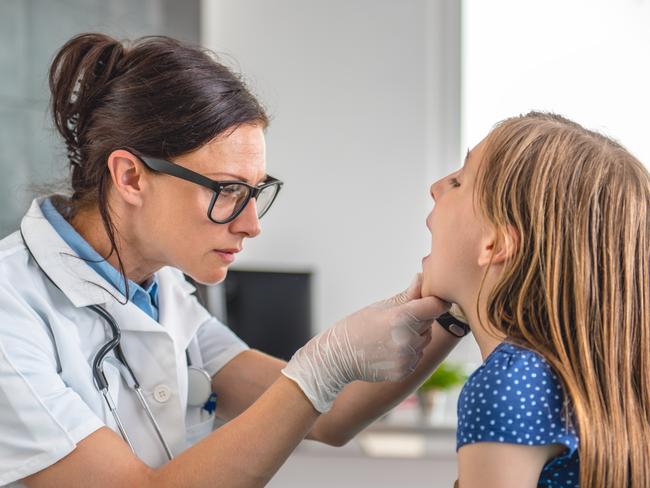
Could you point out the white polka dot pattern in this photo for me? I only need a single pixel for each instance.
(516, 398)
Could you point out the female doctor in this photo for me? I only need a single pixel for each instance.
(109, 367)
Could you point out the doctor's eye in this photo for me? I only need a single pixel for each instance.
(454, 182)
(233, 191)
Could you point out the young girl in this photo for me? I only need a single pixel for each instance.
(550, 263)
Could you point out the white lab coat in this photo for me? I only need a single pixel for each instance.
(44, 414)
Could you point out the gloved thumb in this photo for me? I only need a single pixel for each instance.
(411, 293)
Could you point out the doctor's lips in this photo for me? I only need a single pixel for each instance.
(227, 255)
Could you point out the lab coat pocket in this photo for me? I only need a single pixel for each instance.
(203, 424)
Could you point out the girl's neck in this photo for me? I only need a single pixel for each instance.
(486, 341)
(485, 335)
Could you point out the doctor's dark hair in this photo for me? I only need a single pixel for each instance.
(156, 95)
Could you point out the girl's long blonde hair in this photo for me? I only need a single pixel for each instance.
(577, 289)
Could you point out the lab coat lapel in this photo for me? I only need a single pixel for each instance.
(130, 317)
(179, 311)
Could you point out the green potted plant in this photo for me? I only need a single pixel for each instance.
(446, 377)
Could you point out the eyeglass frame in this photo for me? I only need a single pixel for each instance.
(167, 167)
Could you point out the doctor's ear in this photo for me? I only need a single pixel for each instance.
(127, 174)
(498, 245)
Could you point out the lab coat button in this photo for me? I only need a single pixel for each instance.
(162, 393)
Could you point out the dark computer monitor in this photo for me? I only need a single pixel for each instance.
(269, 310)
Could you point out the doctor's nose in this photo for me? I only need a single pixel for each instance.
(247, 222)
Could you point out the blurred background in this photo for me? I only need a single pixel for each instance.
(371, 101)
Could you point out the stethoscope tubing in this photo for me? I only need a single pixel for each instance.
(99, 377)
(102, 384)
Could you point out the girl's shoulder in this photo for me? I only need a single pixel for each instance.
(514, 397)
(511, 366)
(516, 363)
(513, 378)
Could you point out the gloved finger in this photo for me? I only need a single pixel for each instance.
(422, 341)
(412, 344)
(427, 330)
(408, 333)
(423, 311)
(411, 293)
(426, 338)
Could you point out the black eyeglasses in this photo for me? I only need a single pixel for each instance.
(229, 197)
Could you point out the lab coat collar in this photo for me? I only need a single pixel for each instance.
(83, 286)
(78, 281)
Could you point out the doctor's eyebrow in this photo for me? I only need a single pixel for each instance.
(236, 177)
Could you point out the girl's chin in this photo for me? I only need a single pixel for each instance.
(429, 289)
(425, 289)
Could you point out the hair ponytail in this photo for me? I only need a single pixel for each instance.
(79, 77)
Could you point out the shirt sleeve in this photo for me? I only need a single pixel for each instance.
(218, 345)
(514, 398)
(41, 419)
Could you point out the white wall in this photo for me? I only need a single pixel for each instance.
(365, 117)
(586, 59)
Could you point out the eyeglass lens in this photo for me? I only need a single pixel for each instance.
(233, 197)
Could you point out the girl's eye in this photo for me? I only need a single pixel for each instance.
(454, 182)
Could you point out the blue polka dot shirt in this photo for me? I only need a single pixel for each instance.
(516, 398)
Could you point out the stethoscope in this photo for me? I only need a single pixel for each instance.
(199, 383)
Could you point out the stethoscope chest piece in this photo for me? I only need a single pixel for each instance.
(199, 386)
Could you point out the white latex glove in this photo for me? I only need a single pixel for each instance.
(383, 341)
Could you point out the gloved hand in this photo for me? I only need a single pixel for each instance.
(381, 342)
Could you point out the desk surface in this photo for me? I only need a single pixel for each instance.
(385, 455)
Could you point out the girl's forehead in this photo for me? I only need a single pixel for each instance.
(474, 157)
